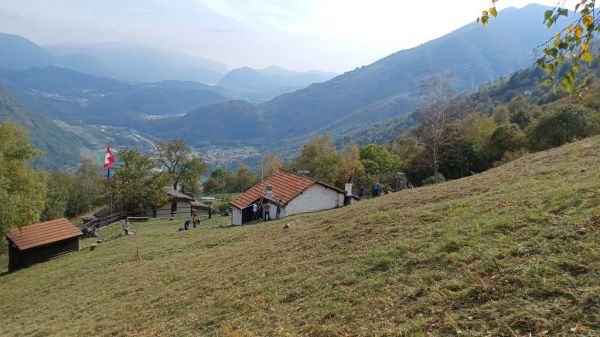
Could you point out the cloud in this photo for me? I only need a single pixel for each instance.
(289, 16)
(333, 35)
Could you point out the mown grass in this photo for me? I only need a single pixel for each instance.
(510, 252)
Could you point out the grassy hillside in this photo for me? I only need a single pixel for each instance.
(510, 252)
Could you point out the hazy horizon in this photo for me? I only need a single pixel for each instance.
(333, 36)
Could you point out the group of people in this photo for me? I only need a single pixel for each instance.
(378, 190)
(194, 221)
(91, 232)
(263, 210)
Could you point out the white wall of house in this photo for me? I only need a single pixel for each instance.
(236, 216)
(315, 198)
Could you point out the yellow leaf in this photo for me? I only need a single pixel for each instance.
(569, 28)
(493, 12)
(585, 47)
(587, 20)
(578, 31)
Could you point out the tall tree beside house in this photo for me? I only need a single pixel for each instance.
(242, 179)
(378, 160)
(184, 167)
(22, 189)
(350, 168)
(270, 164)
(138, 184)
(319, 159)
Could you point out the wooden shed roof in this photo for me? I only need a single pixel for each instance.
(179, 195)
(286, 186)
(43, 233)
(198, 204)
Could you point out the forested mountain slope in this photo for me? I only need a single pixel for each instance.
(71, 96)
(470, 56)
(60, 147)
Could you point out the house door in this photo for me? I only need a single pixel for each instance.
(247, 214)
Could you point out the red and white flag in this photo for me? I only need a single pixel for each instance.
(109, 159)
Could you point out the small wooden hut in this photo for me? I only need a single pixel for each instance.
(41, 242)
(201, 209)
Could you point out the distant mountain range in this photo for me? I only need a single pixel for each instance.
(121, 61)
(263, 84)
(142, 64)
(79, 98)
(345, 106)
(389, 88)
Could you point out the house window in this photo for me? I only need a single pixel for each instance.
(174, 206)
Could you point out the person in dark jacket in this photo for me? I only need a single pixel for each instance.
(278, 208)
(266, 211)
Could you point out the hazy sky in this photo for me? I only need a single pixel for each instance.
(332, 35)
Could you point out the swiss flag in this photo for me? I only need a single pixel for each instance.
(109, 159)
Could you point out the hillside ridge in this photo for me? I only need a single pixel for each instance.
(511, 251)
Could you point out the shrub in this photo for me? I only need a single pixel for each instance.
(566, 124)
(506, 138)
(434, 179)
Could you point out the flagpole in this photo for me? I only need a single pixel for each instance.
(110, 190)
(109, 159)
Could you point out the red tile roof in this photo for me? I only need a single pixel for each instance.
(43, 233)
(286, 186)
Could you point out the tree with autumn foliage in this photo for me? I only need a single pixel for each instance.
(138, 183)
(183, 166)
(22, 189)
(565, 54)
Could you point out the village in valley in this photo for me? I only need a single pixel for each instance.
(450, 188)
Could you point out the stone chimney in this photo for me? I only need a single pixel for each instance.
(269, 192)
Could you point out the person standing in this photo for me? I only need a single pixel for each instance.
(254, 209)
(376, 190)
(126, 226)
(94, 231)
(278, 209)
(266, 211)
(194, 220)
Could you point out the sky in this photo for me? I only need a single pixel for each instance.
(328, 35)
